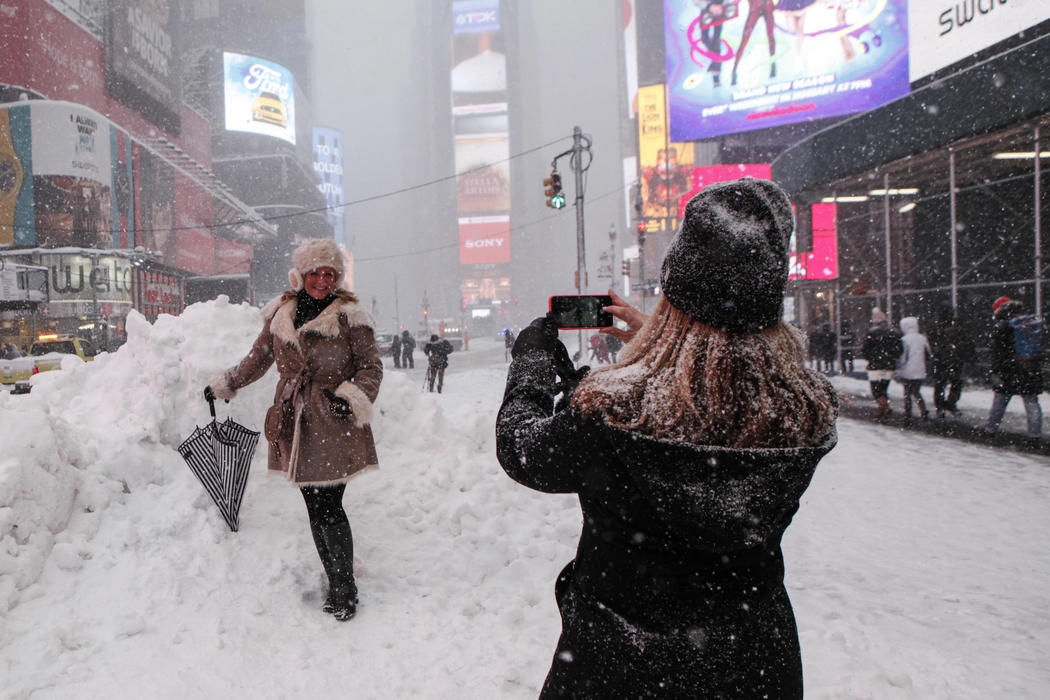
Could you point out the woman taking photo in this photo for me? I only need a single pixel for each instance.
(318, 428)
(689, 457)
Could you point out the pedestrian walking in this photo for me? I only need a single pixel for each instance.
(508, 343)
(1017, 358)
(951, 349)
(689, 457)
(395, 350)
(911, 366)
(615, 345)
(319, 426)
(437, 352)
(829, 348)
(882, 346)
(408, 346)
(848, 338)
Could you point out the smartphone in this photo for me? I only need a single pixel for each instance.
(581, 310)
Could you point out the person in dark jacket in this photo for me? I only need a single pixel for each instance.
(849, 342)
(1013, 375)
(882, 348)
(408, 346)
(508, 343)
(319, 427)
(437, 352)
(677, 588)
(395, 350)
(951, 348)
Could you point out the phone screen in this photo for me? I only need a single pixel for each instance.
(581, 311)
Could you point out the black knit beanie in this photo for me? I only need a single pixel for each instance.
(728, 264)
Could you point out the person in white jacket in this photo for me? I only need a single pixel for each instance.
(911, 366)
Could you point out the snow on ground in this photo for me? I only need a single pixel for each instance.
(916, 564)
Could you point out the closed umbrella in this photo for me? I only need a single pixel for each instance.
(220, 456)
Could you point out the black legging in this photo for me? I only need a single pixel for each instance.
(331, 531)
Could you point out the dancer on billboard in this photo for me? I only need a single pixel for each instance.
(759, 9)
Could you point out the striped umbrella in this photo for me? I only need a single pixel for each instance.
(220, 456)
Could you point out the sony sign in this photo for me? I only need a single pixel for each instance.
(943, 32)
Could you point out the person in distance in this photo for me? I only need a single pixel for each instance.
(689, 457)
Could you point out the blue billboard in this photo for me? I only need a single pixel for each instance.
(328, 164)
(260, 96)
(735, 66)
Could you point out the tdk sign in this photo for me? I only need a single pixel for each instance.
(474, 17)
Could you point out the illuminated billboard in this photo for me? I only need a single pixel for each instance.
(734, 66)
(328, 164)
(260, 96)
(484, 239)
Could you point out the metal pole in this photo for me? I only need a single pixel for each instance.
(581, 254)
(1038, 231)
(889, 260)
(954, 231)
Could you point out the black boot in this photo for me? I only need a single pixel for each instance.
(342, 589)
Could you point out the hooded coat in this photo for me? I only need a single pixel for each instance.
(335, 351)
(677, 588)
(912, 362)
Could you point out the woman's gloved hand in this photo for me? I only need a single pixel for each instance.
(542, 335)
(338, 405)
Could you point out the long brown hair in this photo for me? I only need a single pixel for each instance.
(682, 380)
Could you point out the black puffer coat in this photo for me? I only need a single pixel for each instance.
(677, 587)
(882, 346)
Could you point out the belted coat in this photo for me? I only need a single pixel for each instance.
(335, 351)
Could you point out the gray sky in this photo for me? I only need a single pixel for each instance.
(373, 68)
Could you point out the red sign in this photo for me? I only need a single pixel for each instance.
(484, 239)
(821, 263)
(710, 174)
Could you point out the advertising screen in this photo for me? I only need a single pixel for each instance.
(484, 239)
(142, 65)
(328, 164)
(941, 34)
(822, 261)
(735, 66)
(260, 96)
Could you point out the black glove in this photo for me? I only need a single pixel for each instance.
(339, 406)
(209, 395)
(541, 334)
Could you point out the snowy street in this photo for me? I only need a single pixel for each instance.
(917, 566)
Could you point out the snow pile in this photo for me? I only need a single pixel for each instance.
(916, 565)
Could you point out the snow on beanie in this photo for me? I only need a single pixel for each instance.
(728, 264)
(315, 253)
(877, 315)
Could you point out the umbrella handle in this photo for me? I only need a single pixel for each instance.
(211, 407)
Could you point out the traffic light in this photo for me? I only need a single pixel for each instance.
(552, 185)
(642, 228)
(626, 268)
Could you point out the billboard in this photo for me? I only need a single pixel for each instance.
(58, 189)
(142, 58)
(484, 239)
(941, 34)
(328, 164)
(481, 132)
(821, 262)
(734, 66)
(260, 96)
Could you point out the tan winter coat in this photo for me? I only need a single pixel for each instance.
(335, 351)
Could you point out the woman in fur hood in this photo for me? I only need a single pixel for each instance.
(689, 457)
(318, 428)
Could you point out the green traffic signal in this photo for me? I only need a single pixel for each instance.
(558, 201)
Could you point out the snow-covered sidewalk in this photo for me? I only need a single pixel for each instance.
(917, 565)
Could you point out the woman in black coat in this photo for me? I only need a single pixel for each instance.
(689, 457)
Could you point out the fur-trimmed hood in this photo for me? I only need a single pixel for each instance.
(281, 314)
